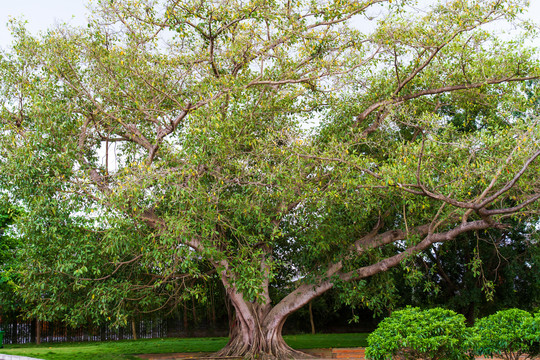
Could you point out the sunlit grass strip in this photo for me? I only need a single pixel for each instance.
(125, 349)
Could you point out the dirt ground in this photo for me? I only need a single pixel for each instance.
(319, 354)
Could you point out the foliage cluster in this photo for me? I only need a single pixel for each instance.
(508, 334)
(9, 302)
(413, 333)
(438, 333)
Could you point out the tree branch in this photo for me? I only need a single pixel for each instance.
(399, 99)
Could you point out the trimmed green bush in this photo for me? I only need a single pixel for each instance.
(412, 333)
(508, 334)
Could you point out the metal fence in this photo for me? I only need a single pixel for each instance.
(19, 332)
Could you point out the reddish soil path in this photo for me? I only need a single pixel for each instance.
(344, 354)
(341, 354)
(358, 354)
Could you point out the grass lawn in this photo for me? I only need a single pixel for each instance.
(123, 350)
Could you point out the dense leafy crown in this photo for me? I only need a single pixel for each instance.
(259, 140)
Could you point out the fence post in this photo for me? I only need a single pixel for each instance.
(15, 332)
(33, 331)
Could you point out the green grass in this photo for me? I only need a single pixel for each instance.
(123, 350)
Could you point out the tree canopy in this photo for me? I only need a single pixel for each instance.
(323, 142)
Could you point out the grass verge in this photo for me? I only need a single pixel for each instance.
(124, 350)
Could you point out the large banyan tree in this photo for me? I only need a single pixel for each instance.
(328, 140)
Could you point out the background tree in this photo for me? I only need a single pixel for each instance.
(10, 305)
(485, 271)
(476, 275)
(169, 134)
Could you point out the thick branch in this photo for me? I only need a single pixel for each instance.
(307, 292)
(399, 99)
(374, 240)
(301, 296)
(392, 261)
(162, 132)
(511, 183)
(512, 209)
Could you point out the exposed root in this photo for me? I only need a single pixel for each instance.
(276, 350)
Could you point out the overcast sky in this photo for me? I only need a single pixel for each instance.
(42, 14)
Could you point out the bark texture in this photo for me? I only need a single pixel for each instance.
(258, 342)
(256, 332)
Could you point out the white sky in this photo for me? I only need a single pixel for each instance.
(42, 14)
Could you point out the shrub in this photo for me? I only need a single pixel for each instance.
(509, 334)
(420, 334)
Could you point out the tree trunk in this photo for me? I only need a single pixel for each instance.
(311, 321)
(258, 342)
(212, 308)
(185, 317)
(230, 315)
(38, 332)
(133, 329)
(256, 333)
(194, 312)
(257, 328)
